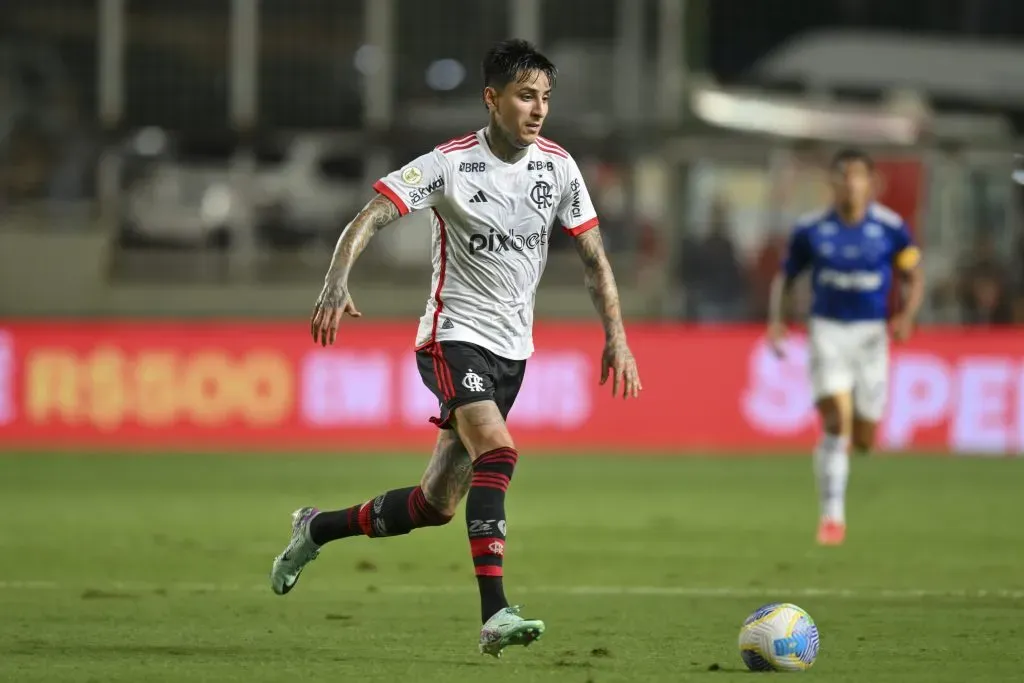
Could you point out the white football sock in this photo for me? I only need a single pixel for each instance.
(832, 469)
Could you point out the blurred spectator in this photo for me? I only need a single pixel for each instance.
(716, 284)
(25, 171)
(984, 285)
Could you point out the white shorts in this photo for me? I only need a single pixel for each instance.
(851, 357)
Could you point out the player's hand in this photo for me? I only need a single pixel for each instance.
(902, 326)
(618, 363)
(333, 303)
(776, 338)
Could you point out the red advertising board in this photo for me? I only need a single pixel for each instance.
(901, 187)
(265, 386)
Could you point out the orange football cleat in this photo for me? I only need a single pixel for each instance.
(831, 532)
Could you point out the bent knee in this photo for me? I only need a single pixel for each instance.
(863, 440)
(442, 517)
(863, 444)
(442, 494)
(438, 512)
(835, 412)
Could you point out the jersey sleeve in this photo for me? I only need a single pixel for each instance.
(420, 184)
(575, 209)
(798, 254)
(905, 253)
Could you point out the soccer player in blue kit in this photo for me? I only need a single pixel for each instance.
(854, 250)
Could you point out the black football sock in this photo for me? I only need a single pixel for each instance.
(485, 522)
(393, 513)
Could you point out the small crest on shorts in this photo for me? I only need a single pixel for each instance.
(412, 175)
(473, 381)
(447, 324)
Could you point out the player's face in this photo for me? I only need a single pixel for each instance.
(852, 183)
(521, 107)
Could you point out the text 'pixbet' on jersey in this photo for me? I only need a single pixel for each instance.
(510, 241)
(851, 265)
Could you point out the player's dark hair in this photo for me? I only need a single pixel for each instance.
(512, 61)
(848, 154)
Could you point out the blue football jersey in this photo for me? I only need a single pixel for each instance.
(851, 265)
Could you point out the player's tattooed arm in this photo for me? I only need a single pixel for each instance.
(377, 213)
(335, 300)
(600, 282)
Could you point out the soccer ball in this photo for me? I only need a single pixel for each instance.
(779, 637)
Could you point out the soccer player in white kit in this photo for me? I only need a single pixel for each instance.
(853, 250)
(494, 195)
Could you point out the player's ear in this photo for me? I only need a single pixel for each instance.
(490, 98)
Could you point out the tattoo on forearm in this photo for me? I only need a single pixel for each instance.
(377, 213)
(600, 283)
(448, 474)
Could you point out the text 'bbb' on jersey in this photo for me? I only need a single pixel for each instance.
(851, 265)
(492, 223)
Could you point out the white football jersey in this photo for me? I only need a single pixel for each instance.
(492, 221)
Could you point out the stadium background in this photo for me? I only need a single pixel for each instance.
(172, 178)
(194, 161)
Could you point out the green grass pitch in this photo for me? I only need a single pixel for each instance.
(154, 569)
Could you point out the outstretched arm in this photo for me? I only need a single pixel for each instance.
(334, 300)
(911, 276)
(377, 213)
(600, 284)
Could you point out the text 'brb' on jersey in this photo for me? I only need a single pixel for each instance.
(851, 265)
(492, 222)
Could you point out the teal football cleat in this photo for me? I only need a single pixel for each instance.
(508, 628)
(299, 552)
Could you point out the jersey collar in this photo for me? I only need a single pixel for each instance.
(833, 215)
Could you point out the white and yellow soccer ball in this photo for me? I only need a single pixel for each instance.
(779, 637)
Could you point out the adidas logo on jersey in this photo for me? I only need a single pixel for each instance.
(478, 198)
(447, 324)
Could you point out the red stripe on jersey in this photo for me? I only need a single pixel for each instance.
(457, 141)
(546, 145)
(438, 302)
(582, 227)
(552, 144)
(461, 138)
(462, 145)
(381, 187)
